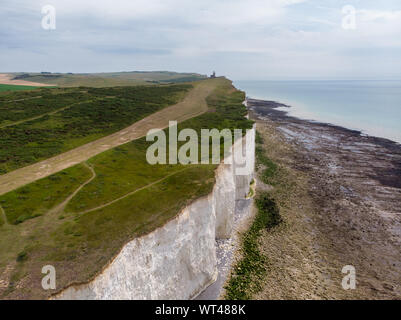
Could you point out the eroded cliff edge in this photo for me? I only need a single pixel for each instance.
(178, 260)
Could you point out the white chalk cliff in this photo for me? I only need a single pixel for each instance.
(178, 260)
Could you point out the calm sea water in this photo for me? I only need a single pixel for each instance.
(374, 107)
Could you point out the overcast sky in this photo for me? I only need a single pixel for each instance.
(242, 39)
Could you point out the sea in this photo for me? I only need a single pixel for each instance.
(371, 106)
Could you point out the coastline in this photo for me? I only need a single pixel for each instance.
(311, 117)
(345, 209)
(287, 109)
(369, 106)
(273, 110)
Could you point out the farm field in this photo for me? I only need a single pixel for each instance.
(79, 218)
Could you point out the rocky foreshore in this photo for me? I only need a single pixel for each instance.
(353, 185)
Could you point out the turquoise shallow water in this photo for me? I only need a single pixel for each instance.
(374, 107)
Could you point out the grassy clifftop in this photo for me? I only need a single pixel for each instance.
(51, 121)
(108, 79)
(10, 87)
(102, 204)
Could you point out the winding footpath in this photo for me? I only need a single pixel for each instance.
(60, 207)
(126, 195)
(44, 114)
(193, 104)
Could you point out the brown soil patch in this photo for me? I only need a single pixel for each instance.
(7, 79)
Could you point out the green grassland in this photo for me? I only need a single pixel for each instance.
(41, 102)
(269, 172)
(108, 79)
(19, 94)
(37, 198)
(11, 87)
(80, 231)
(59, 120)
(246, 278)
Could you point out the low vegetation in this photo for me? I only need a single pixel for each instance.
(72, 117)
(246, 278)
(246, 275)
(37, 198)
(268, 168)
(11, 87)
(127, 198)
(42, 102)
(18, 94)
(109, 79)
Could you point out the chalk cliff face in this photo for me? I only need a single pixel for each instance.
(232, 183)
(242, 181)
(224, 194)
(178, 260)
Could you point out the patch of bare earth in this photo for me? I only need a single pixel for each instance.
(340, 198)
(193, 104)
(7, 79)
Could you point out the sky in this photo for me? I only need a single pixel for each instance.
(241, 39)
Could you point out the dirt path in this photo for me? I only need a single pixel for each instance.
(7, 79)
(128, 194)
(191, 106)
(60, 208)
(16, 100)
(42, 115)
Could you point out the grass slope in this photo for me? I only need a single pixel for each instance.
(11, 87)
(109, 79)
(36, 199)
(84, 114)
(136, 198)
(193, 104)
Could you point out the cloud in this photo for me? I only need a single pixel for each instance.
(192, 12)
(122, 50)
(380, 15)
(242, 39)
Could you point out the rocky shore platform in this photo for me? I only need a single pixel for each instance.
(345, 210)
